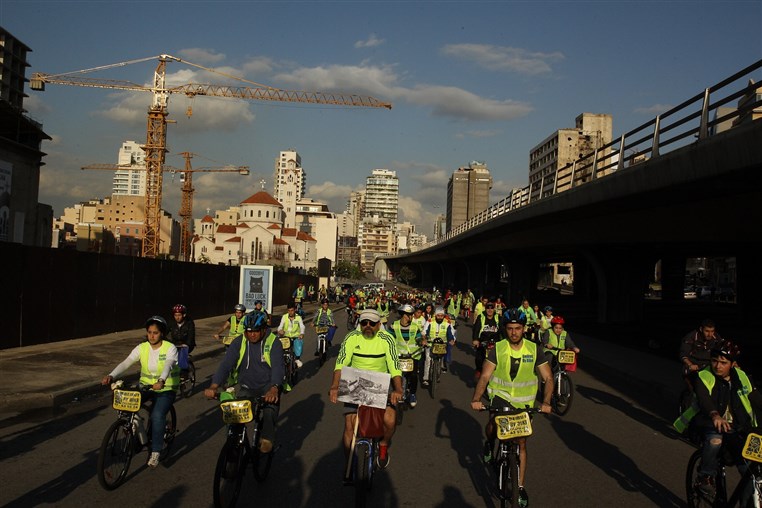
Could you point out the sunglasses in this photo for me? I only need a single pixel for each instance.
(368, 322)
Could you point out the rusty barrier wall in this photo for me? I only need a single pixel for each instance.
(49, 295)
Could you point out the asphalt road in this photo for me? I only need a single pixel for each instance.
(609, 450)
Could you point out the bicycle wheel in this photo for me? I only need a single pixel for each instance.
(115, 454)
(438, 369)
(400, 407)
(433, 378)
(508, 481)
(321, 350)
(362, 473)
(563, 394)
(188, 384)
(228, 474)
(695, 498)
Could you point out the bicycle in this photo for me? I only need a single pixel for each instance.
(187, 375)
(751, 478)
(322, 343)
(407, 366)
(510, 424)
(437, 352)
(289, 361)
(129, 435)
(363, 452)
(563, 387)
(352, 317)
(238, 452)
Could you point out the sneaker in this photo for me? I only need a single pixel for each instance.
(444, 367)
(153, 460)
(705, 486)
(425, 384)
(383, 456)
(265, 445)
(298, 363)
(412, 400)
(523, 497)
(487, 455)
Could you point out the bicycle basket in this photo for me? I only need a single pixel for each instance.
(127, 400)
(752, 449)
(321, 329)
(406, 364)
(438, 349)
(286, 342)
(236, 411)
(512, 426)
(567, 357)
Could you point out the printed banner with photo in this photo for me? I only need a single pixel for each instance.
(364, 387)
(256, 284)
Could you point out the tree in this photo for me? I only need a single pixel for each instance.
(406, 275)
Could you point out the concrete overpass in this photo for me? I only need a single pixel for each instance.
(700, 200)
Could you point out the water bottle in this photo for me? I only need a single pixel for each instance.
(140, 429)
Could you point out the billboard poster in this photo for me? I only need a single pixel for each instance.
(256, 284)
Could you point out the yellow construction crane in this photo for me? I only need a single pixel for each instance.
(186, 206)
(156, 134)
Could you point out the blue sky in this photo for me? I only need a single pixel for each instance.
(469, 80)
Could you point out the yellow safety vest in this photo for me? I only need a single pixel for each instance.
(521, 390)
(147, 377)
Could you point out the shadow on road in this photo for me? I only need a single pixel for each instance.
(609, 459)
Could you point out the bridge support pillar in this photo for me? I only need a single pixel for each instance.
(622, 276)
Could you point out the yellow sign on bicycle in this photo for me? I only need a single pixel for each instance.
(127, 400)
(321, 329)
(512, 426)
(566, 356)
(236, 411)
(406, 364)
(439, 349)
(752, 450)
(286, 342)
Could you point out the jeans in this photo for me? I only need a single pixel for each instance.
(162, 401)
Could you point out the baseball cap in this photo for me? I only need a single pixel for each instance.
(371, 315)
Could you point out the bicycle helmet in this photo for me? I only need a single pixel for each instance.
(514, 316)
(324, 300)
(240, 307)
(179, 308)
(159, 322)
(255, 322)
(258, 302)
(727, 349)
(548, 308)
(557, 320)
(406, 309)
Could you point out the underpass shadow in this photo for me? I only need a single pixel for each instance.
(633, 412)
(609, 459)
(298, 422)
(452, 499)
(171, 498)
(465, 434)
(207, 424)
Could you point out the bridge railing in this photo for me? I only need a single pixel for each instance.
(677, 127)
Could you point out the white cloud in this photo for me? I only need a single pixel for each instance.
(371, 42)
(36, 107)
(504, 58)
(201, 56)
(335, 196)
(654, 110)
(258, 65)
(461, 104)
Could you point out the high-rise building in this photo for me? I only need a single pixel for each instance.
(290, 184)
(132, 181)
(382, 189)
(555, 156)
(356, 210)
(467, 193)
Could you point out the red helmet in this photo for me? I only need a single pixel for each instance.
(557, 320)
(179, 308)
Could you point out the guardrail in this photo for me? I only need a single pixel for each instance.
(681, 125)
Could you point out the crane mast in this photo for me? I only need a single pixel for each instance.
(156, 131)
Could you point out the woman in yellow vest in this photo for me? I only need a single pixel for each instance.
(159, 378)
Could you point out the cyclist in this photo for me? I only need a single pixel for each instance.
(258, 309)
(375, 350)
(324, 317)
(559, 338)
(158, 373)
(384, 308)
(410, 341)
(234, 324)
(256, 361)
(299, 294)
(292, 326)
(418, 317)
(485, 330)
(528, 311)
(547, 317)
(479, 308)
(509, 375)
(468, 301)
(726, 407)
(182, 333)
(695, 349)
(438, 328)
